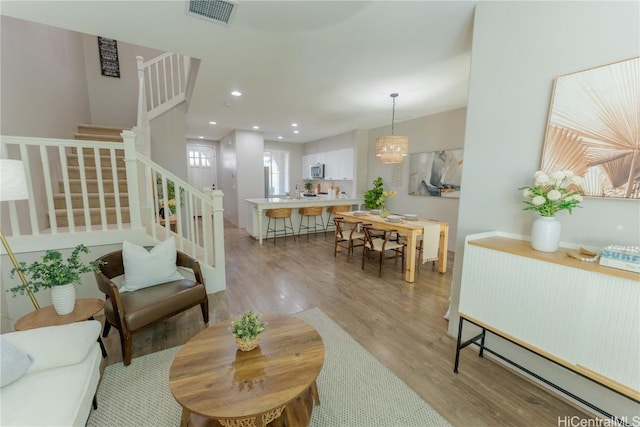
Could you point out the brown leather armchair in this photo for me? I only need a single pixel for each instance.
(131, 312)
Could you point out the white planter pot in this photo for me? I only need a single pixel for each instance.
(545, 234)
(64, 298)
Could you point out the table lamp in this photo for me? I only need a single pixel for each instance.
(13, 186)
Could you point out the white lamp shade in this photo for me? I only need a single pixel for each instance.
(13, 181)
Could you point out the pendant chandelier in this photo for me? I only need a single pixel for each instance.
(391, 149)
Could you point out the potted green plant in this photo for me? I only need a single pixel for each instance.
(247, 329)
(307, 186)
(57, 274)
(373, 197)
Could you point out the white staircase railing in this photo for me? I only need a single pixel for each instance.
(163, 84)
(101, 177)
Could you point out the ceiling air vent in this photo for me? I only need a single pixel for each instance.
(216, 10)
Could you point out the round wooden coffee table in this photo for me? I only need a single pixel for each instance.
(274, 383)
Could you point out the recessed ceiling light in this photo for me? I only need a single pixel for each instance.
(279, 136)
(296, 131)
(295, 125)
(201, 137)
(236, 93)
(212, 123)
(256, 127)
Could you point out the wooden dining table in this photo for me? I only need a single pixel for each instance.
(412, 229)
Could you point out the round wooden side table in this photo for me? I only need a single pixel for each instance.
(84, 309)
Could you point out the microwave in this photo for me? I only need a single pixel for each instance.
(316, 171)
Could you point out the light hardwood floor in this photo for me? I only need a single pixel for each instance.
(401, 324)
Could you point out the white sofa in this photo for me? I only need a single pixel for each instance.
(59, 386)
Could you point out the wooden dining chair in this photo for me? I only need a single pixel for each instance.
(381, 242)
(348, 236)
(333, 211)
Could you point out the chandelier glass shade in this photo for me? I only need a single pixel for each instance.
(392, 148)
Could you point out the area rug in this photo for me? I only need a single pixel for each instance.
(355, 389)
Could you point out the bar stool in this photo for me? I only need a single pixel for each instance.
(283, 214)
(314, 212)
(332, 210)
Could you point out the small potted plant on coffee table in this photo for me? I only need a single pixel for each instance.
(247, 329)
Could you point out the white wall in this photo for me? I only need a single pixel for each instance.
(332, 143)
(295, 159)
(44, 86)
(443, 131)
(168, 141)
(518, 50)
(250, 148)
(241, 173)
(228, 177)
(114, 101)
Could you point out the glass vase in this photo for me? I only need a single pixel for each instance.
(384, 211)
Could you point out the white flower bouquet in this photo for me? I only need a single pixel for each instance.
(553, 192)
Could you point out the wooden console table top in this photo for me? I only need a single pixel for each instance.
(523, 248)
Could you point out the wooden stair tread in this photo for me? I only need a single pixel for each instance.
(95, 200)
(79, 195)
(98, 137)
(119, 155)
(100, 129)
(80, 211)
(91, 181)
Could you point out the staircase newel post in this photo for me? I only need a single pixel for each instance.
(133, 189)
(213, 230)
(142, 100)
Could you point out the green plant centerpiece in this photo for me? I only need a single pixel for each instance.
(55, 273)
(247, 329)
(373, 197)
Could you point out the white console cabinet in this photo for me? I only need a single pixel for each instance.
(579, 315)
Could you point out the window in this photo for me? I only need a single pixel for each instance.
(276, 167)
(199, 158)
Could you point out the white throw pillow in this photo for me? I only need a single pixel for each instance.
(143, 268)
(14, 362)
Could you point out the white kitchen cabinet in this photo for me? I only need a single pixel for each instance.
(339, 165)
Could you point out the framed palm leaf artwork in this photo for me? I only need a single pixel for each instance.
(594, 129)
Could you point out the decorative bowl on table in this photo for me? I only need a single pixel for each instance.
(375, 211)
(359, 213)
(410, 217)
(394, 218)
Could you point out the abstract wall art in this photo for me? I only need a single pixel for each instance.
(593, 129)
(436, 173)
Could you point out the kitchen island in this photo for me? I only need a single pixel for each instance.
(256, 225)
